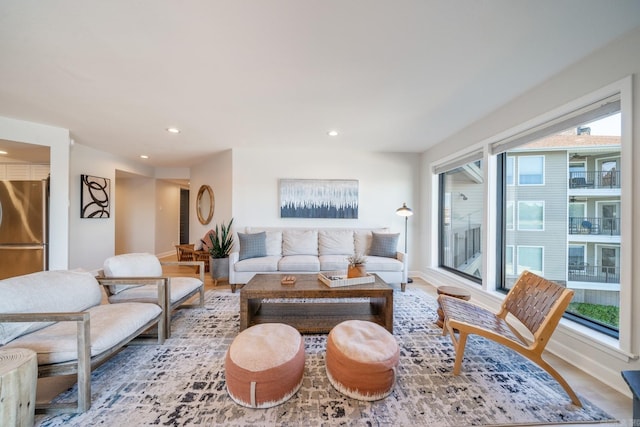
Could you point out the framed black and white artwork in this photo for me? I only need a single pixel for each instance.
(94, 197)
(319, 198)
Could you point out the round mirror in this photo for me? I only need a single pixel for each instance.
(205, 204)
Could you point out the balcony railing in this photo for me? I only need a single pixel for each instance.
(593, 273)
(594, 179)
(594, 225)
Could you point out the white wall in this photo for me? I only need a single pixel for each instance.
(609, 65)
(58, 140)
(167, 212)
(214, 171)
(135, 215)
(93, 240)
(386, 180)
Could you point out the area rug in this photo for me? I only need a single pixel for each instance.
(182, 382)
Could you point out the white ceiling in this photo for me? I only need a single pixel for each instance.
(389, 75)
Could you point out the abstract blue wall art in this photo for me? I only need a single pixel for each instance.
(318, 198)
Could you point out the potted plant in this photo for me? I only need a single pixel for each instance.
(356, 267)
(221, 244)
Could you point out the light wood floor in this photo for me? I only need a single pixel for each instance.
(613, 402)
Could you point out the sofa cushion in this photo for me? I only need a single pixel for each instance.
(299, 242)
(333, 262)
(263, 264)
(335, 242)
(384, 244)
(131, 265)
(307, 263)
(274, 243)
(109, 325)
(45, 292)
(252, 245)
(377, 263)
(180, 287)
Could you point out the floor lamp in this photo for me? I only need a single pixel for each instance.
(406, 213)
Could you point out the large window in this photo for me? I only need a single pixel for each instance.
(462, 203)
(557, 210)
(566, 199)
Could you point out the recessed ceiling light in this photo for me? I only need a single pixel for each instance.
(144, 156)
(3, 152)
(332, 133)
(173, 130)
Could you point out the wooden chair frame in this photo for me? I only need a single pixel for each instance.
(537, 303)
(84, 363)
(166, 281)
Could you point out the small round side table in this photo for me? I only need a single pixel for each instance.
(451, 291)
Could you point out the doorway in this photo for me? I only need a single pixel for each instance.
(184, 216)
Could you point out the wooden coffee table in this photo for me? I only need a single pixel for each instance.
(313, 317)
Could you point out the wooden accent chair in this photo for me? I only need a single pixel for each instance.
(187, 252)
(537, 303)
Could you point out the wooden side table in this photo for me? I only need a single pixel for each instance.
(18, 377)
(451, 291)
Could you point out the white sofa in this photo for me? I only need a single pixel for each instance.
(59, 315)
(312, 250)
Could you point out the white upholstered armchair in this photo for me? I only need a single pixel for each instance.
(131, 278)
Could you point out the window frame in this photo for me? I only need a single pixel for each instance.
(493, 146)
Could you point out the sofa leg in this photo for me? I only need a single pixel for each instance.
(403, 286)
(233, 288)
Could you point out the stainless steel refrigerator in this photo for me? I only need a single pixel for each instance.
(23, 227)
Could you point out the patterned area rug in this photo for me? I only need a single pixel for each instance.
(182, 383)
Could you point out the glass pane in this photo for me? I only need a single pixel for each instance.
(461, 228)
(568, 225)
(510, 171)
(530, 215)
(530, 258)
(508, 259)
(530, 170)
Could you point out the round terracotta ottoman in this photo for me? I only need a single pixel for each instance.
(361, 359)
(264, 365)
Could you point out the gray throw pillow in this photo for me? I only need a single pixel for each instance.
(252, 245)
(384, 244)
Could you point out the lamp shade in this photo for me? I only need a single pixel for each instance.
(404, 210)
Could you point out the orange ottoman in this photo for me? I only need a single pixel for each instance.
(361, 359)
(264, 365)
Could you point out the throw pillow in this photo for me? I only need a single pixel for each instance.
(384, 244)
(252, 245)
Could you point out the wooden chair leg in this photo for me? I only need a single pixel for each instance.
(462, 341)
(201, 303)
(556, 375)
